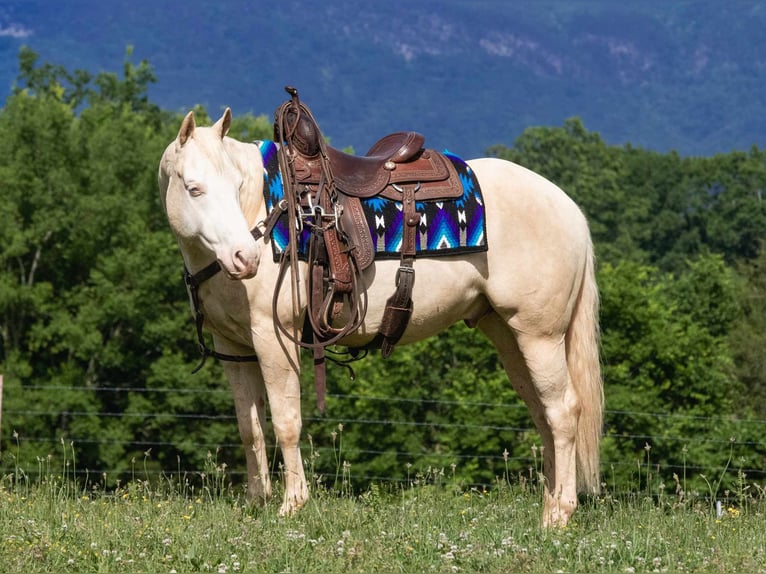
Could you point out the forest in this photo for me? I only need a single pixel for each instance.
(97, 343)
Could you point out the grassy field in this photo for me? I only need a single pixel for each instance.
(51, 523)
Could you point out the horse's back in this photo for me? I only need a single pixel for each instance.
(513, 193)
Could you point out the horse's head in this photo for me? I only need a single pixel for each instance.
(201, 185)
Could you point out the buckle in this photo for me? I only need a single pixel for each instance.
(404, 269)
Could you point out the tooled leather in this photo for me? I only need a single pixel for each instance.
(354, 223)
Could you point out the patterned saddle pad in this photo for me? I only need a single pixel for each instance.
(446, 227)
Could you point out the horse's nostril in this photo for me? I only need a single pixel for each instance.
(240, 261)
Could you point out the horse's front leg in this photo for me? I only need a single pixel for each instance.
(246, 382)
(282, 379)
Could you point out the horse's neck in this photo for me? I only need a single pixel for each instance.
(250, 164)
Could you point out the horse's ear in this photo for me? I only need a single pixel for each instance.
(187, 128)
(222, 125)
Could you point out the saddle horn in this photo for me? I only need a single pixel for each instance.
(302, 131)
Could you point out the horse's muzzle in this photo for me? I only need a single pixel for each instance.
(243, 264)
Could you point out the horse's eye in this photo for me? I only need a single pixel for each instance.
(194, 190)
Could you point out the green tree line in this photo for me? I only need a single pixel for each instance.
(97, 341)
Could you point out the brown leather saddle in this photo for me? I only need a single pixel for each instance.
(323, 187)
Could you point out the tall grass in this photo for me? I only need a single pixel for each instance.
(201, 523)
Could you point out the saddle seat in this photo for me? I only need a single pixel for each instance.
(397, 158)
(362, 176)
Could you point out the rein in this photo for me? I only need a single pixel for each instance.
(193, 281)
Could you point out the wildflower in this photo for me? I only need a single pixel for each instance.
(505, 455)
(294, 535)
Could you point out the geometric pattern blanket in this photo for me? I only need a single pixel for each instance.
(446, 227)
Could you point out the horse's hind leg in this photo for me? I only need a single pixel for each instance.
(538, 372)
(247, 387)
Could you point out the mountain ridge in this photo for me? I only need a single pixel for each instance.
(685, 76)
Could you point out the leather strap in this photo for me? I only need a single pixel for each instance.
(398, 309)
(331, 275)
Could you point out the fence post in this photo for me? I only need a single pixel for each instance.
(1, 411)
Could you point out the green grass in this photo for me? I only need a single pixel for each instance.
(202, 524)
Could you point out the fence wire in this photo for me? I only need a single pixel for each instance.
(446, 459)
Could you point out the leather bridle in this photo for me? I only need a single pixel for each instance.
(193, 281)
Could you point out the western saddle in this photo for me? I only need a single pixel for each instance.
(323, 188)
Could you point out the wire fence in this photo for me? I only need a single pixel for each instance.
(753, 426)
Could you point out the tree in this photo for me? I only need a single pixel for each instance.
(748, 334)
(667, 366)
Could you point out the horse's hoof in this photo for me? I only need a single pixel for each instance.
(557, 517)
(290, 509)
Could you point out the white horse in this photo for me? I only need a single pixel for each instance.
(533, 293)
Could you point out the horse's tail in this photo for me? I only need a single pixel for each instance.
(582, 344)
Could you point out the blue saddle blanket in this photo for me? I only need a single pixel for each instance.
(446, 227)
